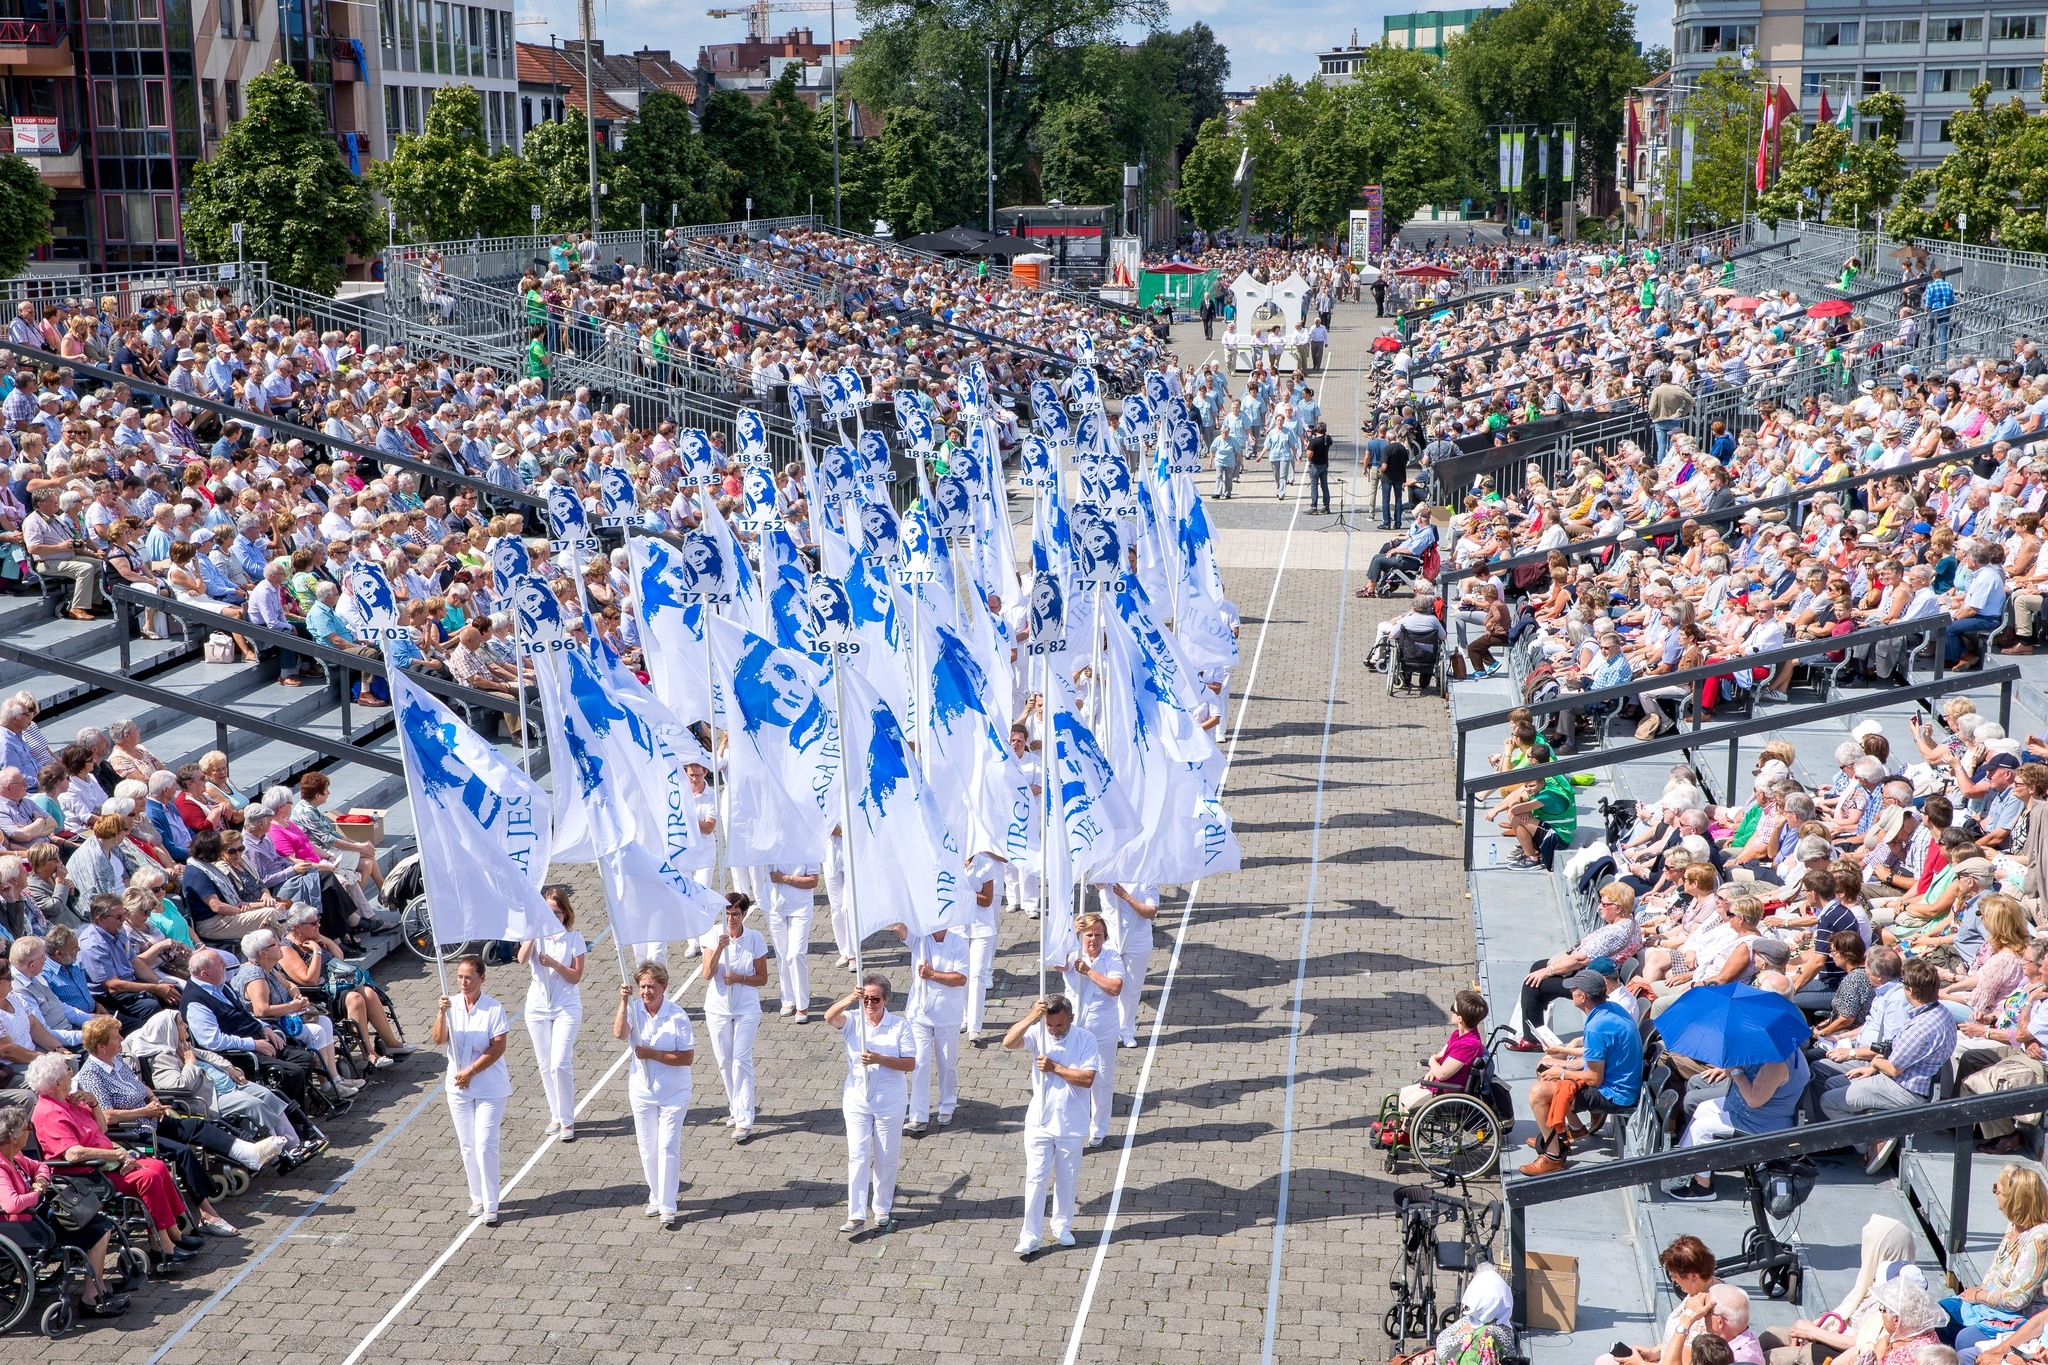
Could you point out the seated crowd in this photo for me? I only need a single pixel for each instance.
(180, 991)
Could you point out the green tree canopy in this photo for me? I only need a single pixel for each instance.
(1552, 61)
(558, 159)
(1725, 107)
(25, 213)
(741, 135)
(1206, 194)
(279, 173)
(924, 175)
(1996, 179)
(1833, 179)
(1080, 162)
(446, 182)
(679, 180)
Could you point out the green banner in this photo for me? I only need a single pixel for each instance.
(1185, 291)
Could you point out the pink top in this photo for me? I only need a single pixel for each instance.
(18, 1197)
(1463, 1048)
(288, 839)
(1997, 976)
(64, 1124)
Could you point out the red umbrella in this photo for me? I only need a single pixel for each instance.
(1744, 304)
(1830, 308)
(1386, 341)
(1430, 272)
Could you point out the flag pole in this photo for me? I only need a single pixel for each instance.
(440, 965)
(846, 850)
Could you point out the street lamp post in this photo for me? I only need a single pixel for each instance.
(991, 138)
(833, 34)
(589, 114)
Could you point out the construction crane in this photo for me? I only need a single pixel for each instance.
(756, 13)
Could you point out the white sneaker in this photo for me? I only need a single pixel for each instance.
(1025, 1246)
(382, 1063)
(851, 1226)
(1066, 1239)
(348, 1088)
(653, 1211)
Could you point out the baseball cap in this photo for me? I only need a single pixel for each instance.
(1592, 983)
(1979, 868)
(2000, 761)
(1605, 966)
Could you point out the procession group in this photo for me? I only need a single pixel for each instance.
(897, 719)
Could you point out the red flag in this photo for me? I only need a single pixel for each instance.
(1635, 139)
(1827, 115)
(1776, 109)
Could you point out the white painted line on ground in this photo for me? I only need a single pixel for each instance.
(1308, 911)
(1123, 1165)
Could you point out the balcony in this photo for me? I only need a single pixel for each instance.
(346, 65)
(35, 47)
(59, 161)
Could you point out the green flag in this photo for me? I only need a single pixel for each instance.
(1846, 120)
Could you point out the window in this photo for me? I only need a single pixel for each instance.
(1831, 34)
(392, 126)
(387, 23)
(249, 20)
(1897, 82)
(444, 49)
(166, 218)
(1950, 80)
(103, 111)
(155, 106)
(497, 124)
(1711, 38)
(231, 91)
(1836, 83)
(227, 18)
(141, 218)
(1868, 130)
(1955, 30)
(476, 43)
(525, 114)
(412, 109)
(1943, 133)
(458, 35)
(1894, 31)
(2005, 78)
(2007, 28)
(208, 120)
(116, 215)
(426, 26)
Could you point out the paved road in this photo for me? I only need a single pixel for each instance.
(1302, 990)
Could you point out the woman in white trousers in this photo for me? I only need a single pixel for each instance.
(786, 895)
(735, 967)
(554, 1008)
(1132, 910)
(1095, 978)
(984, 872)
(880, 1055)
(473, 1027)
(664, 1046)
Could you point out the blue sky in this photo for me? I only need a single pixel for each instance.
(1268, 39)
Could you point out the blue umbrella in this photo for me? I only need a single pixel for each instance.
(1733, 1026)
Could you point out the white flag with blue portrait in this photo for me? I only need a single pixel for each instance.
(908, 863)
(757, 509)
(372, 606)
(483, 827)
(569, 524)
(509, 562)
(625, 773)
(616, 493)
(749, 438)
(671, 614)
(699, 456)
(873, 449)
(982, 790)
(1049, 415)
(839, 473)
(787, 619)
(1180, 833)
(781, 752)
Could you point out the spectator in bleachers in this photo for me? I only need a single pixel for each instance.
(1617, 937)
(130, 757)
(215, 902)
(1902, 1074)
(131, 989)
(1608, 1078)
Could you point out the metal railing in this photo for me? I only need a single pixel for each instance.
(196, 286)
(33, 32)
(1693, 677)
(1956, 1116)
(1732, 733)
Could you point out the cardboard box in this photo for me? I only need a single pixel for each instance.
(354, 829)
(1553, 1300)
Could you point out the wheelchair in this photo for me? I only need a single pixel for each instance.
(352, 1048)
(1455, 1134)
(1415, 662)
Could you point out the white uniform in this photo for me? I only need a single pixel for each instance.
(1054, 1126)
(1096, 1011)
(704, 805)
(732, 1016)
(554, 1014)
(983, 869)
(787, 912)
(660, 1098)
(872, 1101)
(478, 1107)
(1134, 945)
(835, 896)
(1020, 878)
(935, 1011)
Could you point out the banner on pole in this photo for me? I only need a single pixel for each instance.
(1521, 152)
(1685, 144)
(1568, 150)
(1506, 161)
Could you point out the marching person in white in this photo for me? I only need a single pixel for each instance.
(554, 1008)
(704, 805)
(880, 1055)
(1062, 1078)
(735, 968)
(1020, 879)
(984, 871)
(836, 902)
(938, 1002)
(1132, 908)
(472, 1026)
(664, 1045)
(786, 896)
(1095, 978)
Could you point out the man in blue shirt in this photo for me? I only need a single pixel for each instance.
(1980, 607)
(131, 989)
(1939, 298)
(1609, 1076)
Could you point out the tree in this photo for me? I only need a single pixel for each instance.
(803, 140)
(1206, 194)
(25, 213)
(446, 182)
(961, 59)
(1726, 109)
(1199, 66)
(558, 158)
(676, 178)
(740, 134)
(925, 175)
(279, 173)
(1079, 160)
(1991, 188)
(1833, 179)
(1552, 61)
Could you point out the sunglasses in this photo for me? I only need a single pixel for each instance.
(875, 999)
